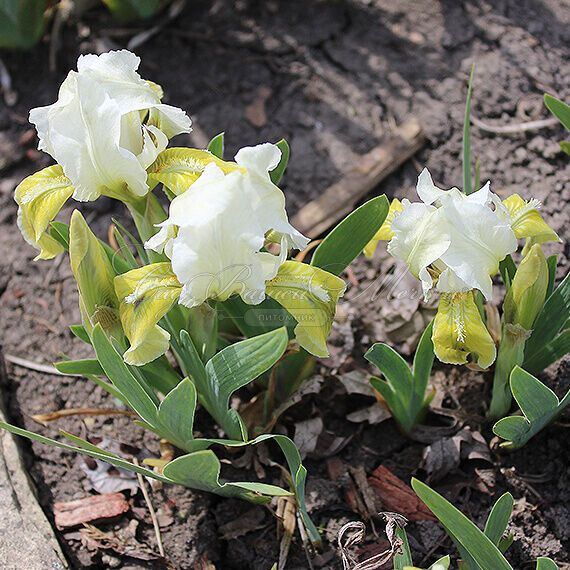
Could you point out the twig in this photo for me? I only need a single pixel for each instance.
(515, 129)
(174, 11)
(90, 412)
(24, 363)
(151, 510)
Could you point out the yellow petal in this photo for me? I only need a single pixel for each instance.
(94, 275)
(310, 294)
(178, 168)
(526, 221)
(40, 197)
(146, 295)
(385, 232)
(458, 331)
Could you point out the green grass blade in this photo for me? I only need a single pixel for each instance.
(483, 551)
(467, 187)
(499, 518)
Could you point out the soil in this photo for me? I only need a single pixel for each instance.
(335, 77)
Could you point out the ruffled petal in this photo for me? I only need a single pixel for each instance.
(420, 238)
(479, 241)
(266, 198)
(458, 331)
(40, 197)
(526, 220)
(146, 295)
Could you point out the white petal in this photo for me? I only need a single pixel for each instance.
(420, 238)
(479, 241)
(260, 159)
(266, 198)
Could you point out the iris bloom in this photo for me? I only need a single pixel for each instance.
(215, 236)
(454, 243)
(106, 128)
(217, 228)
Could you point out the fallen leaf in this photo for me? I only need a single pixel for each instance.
(374, 414)
(121, 541)
(307, 435)
(107, 478)
(312, 440)
(398, 497)
(445, 455)
(90, 509)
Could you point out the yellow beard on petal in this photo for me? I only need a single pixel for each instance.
(459, 331)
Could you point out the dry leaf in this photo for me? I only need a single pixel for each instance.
(398, 497)
(90, 509)
(445, 454)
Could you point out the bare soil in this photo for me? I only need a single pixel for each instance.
(336, 77)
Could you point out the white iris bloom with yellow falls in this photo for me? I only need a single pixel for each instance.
(454, 244)
(215, 236)
(217, 228)
(106, 128)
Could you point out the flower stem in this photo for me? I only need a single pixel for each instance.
(511, 354)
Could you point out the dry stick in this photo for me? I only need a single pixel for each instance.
(35, 366)
(515, 129)
(89, 412)
(151, 510)
(338, 200)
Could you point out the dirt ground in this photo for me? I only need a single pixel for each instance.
(333, 78)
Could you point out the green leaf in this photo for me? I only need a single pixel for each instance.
(277, 173)
(467, 139)
(459, 527)
(559, 109)
(538, 404)
(21, 23)
(83, 367)
(405, 558)
(565, 146)
(551, 262)
(216, 146)
(80, 332)
(550, 322)
(343, 244)
(141, 251)
(130, 10)
(404, 391)
(86, 448)
(553, 351)
(120, 375)
(60, 232)
(175, 416)
(443, 562)
(310, 295)
(236, 366)
(508, 269)
(544, 563)
(499, 518)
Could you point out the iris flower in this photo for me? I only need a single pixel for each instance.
(454, 243)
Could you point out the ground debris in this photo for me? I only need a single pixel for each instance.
(397, 496)
(445, 455)
(122, 541)
(90, 509)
